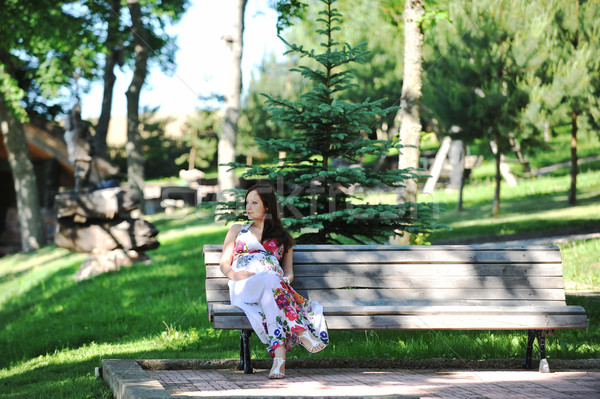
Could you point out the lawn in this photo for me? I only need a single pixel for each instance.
(54, 331)
(535, 207)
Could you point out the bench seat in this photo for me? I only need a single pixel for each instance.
(438, 287)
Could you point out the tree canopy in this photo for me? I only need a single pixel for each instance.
(321, 166)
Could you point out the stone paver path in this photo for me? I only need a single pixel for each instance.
(368, 383)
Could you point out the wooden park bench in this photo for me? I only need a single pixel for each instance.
(437, 287)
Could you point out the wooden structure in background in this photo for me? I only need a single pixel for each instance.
(54, 173)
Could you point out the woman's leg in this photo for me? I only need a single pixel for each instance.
(274, 316)
(278, 368)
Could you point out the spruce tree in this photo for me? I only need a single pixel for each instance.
(322, 166)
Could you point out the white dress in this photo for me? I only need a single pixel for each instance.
(275, 310)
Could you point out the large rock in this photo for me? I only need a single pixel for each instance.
(99, 204)
(122, 232)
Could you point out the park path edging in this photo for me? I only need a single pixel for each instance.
(128, 380)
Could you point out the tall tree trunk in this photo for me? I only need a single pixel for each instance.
(135, 160)
(29, 213)
(109, 78)
(410, 102)
(458, 170)
(498, 154)
(226, 146)
(546, 131)
(574, 167)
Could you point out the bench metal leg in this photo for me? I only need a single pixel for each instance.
(245, 359)
(530, 339)
(541, 339)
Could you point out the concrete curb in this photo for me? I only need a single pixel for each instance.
(408, 364)
(128, 380)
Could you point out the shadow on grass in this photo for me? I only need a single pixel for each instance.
(515, 231)
(534, 226)
(13, 275)
(187, 217)
(522, 204)
(136, 302)
(76, 379)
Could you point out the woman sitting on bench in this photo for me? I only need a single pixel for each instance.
(257, 259)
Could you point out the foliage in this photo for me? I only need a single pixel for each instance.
(380, 73)
(255, 121)
(330, 136)
(158, 150)
(159, 14)
(44, 44)
(473, 68)
(394, 9)
(473, 83)
(287, 12)
(564, 84)
(199, 135)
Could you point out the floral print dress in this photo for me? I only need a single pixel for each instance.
(275, 310)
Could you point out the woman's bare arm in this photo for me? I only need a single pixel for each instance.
(287, 264)
(227, 255)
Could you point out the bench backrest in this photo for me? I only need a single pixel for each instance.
(437, 275)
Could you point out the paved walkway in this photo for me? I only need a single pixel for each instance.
(352, 382)
(377, 383)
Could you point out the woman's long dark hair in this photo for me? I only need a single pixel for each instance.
(273, 228)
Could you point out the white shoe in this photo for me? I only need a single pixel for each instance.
(276, 369)
(315, 345)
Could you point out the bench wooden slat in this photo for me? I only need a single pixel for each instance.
(416, 257)
(411, 254)
(450, 269)
(453, 322)
(411, 294)
(432, 322)
(386, 303)
(402, 282)
(427, 257)
(457, 269)
(473, 303)
(232, 310)
(413, 248)
(441, 294)
(433, 317)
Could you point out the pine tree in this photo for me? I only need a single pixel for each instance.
(322, 165)
(571, 95)
(474, 84)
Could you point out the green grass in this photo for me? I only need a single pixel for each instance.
(581, 261)
(534, 207)
(54, 331)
